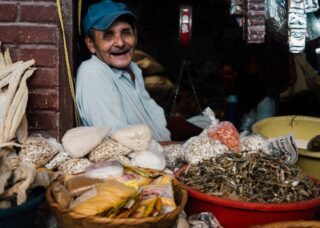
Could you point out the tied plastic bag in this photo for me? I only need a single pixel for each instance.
(74, 166)
(79, 141)
(135, 137)
(223, 131)
(199, 148)
(108, 149)
(39, 150)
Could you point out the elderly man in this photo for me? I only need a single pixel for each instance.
(109, 86)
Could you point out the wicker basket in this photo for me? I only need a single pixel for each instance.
(73, 220)
(291, 224)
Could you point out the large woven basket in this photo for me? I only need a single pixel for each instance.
(73, 220)
(291, 224)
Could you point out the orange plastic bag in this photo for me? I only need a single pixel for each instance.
(226, 133)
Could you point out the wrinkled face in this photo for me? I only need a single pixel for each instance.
(114, 46)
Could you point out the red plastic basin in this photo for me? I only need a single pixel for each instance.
(240, 214)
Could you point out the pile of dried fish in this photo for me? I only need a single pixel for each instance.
(253, 178)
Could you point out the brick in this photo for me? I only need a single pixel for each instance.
(14, 51)
(39, 13)
(8, 12)
(43, 99)
(18, 33)
(44, 56)
(43, 120)
(44, 77)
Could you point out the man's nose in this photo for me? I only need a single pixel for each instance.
(119, 40)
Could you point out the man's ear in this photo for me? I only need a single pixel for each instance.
(90, 44)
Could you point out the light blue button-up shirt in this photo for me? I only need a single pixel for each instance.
(108, 97)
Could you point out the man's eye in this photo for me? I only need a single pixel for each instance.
(108, 36)
(127, 33)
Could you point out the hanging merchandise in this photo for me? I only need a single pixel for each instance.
(297, 24)
(250, 14)
(185, 23)
(293, 24)
(276, 19)
(313, 25)
(300, 20)
(254, 24)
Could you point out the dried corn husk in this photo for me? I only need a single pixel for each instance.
(13, 96)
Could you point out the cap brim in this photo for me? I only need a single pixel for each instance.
(105, 22)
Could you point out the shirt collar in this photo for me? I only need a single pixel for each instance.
(118, 72)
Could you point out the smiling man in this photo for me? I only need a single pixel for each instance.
(109, 86)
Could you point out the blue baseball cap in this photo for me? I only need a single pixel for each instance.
(101, 15)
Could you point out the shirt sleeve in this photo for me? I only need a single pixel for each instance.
(98, 100)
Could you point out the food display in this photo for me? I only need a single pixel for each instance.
(132, 193)
(37, 150)
(200, 148)
(108, 149)
(253, 178)
(254, 144)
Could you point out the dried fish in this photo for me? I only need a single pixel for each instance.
(251, 177)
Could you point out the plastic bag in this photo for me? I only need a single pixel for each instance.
(74, 166)
(253, 143)
(104, 170)
(79, 141)
(173, 154)
(133, 179)
(108, 194)
(223, 131)
(38, 150)
(149, 159)
(135, 137)
(266, 108)
(108, 149)
(200, 148)
(165, 193)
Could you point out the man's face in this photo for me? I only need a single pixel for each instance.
(114, 46)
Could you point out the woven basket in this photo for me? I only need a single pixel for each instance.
(73, 220)
(291, 224)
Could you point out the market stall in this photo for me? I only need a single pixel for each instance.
(214, 175)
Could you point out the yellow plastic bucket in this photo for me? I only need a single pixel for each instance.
(303, 128)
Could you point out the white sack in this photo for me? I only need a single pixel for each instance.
(148, 159)
(79, 141)
(135, 137)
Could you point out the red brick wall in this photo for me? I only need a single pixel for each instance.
(31, 29)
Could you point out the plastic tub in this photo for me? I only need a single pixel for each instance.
(24, 214)
(240, 214)
(303, 128)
